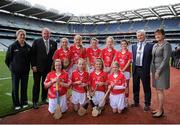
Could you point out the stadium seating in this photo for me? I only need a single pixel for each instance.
(11, 23)
(138, 25)
(101, 28)
(124, 27)
(89, 28)
(170, 24)
(4, 43)
(153, 25)
(114, 27)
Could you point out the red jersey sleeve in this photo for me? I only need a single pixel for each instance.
(72, 77)
(65, 77)
(88, 52)
(48, 78)
(90, 79)
(105, 77)
(83, 53)
(116, 56)
(109, 79)
(102, 54)
(86, 78)
(56, 55)
(123, 80)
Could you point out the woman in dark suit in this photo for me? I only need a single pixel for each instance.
(18, 58)
(160, 68)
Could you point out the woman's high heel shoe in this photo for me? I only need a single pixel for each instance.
(158, 116)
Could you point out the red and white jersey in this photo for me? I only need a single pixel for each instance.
(120, 80)
(77, 76)
(123, 59)
(77, 53)
(108, 56)
(92, 54)
(52, 90)
(61, 54)
(95, 78)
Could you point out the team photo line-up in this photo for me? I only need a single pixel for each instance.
(94, 76)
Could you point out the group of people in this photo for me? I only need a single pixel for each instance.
(176, 57)
(89, 71)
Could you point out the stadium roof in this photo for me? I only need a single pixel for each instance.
(23, 7)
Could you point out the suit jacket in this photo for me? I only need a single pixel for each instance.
(147, 56)
(160, 57)
(18, 58)
(40, 58)
(160, 64)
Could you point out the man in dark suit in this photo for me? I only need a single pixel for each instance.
(141, 68)
(42, 52)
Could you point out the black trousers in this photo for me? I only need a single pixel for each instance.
(22, 80)
(39, 78)
(137, 76)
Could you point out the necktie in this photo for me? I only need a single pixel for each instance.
(140, 46)
(138, 59)
(47, 47)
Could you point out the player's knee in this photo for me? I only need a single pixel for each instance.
(119, 111)
(114, 110)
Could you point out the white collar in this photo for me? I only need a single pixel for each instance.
(80, 73)
(97, 73)
(45, 40)
(94, 49)
(58, 74)
(115, 75)
(143, 43)
(109, 50)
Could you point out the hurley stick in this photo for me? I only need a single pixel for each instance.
(57, 113)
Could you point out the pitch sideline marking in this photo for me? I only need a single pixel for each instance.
(5, 78)
(9, 94)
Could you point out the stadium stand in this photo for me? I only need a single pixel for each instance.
(89, 28)
(15, 15)
(173, 25)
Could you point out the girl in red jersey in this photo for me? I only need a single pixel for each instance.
(98, 78)
(77, 51)
(117, 82)
(124, 58)
(63, 53)
(80, 79)
(93, 52)
(57, 75)
(108, 54)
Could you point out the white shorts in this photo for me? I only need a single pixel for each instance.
(78, 98)
(53, 104)
(98, 97)
(117, 101)
(127, 75)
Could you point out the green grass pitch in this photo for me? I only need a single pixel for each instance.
(6, 105)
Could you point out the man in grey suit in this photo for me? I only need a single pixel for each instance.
(141, 68)
(42, 51)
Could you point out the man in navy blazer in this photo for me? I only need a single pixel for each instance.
(42, 51)
(142, 54)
